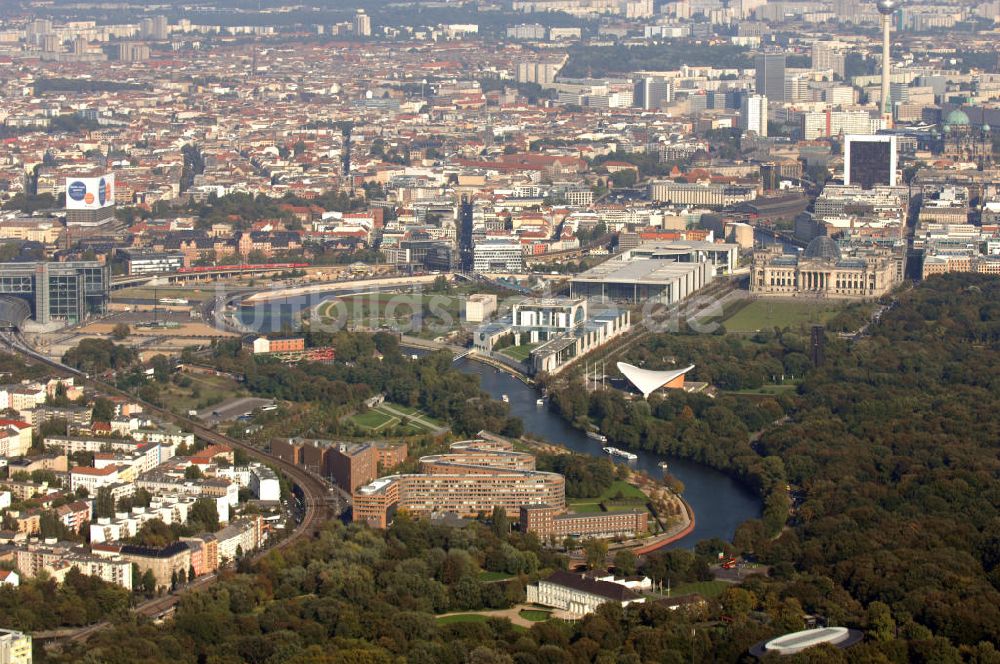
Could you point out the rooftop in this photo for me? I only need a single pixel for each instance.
(606, 589)
(651, 271)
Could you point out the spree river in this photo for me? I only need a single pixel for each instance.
(720, 503)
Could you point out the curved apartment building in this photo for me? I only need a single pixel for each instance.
(467, 481)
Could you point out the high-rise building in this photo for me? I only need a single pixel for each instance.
(797, 88)
(870, 160)
(362, 24)
(753, 115)
(543, 73)
(771, 75)
(160, 28)
(90, 201)
(15, 647)
(652, 92)
(133, 52)
(529, 31)
(818, 124)
(829, 56)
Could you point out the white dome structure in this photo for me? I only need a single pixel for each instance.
(648, 381)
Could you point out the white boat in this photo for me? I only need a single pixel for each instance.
(597, 436)
(614, 451)
(663, 465)
(505, 398)
(539, 402)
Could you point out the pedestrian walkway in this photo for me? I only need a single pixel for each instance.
(512, 614)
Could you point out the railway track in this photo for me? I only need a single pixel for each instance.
(316, 494)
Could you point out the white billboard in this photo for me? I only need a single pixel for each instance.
(90, 193)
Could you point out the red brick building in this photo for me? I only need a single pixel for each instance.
(546, 521)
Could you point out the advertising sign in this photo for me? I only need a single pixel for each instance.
(90, 193)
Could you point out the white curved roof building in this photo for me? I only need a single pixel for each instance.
(648, 381)
(794, 643)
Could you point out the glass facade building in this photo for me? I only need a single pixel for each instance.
(58, 291)
(870, 160)
(770, 75)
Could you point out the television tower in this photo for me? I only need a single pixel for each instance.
(886, 8)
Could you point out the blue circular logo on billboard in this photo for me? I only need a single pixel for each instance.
(102, 193)
(76, 190)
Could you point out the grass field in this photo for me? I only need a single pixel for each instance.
(389, 415)
(631, 497)
(535, 615)
(419, 314)
(519, 353)
(204, 391)
(770, 313)
(494, 576)
(627, 491)
(373, 419)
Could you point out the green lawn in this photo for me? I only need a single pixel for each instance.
(535, 615)
(436, 312)
(631, 498)
(519, 353)
(405, 409)
(628, 492)
(203, 392)
(494, 576)
(767, 314)
(372, 419)
(382, 416)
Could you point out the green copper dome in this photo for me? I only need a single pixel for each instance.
(956, 118)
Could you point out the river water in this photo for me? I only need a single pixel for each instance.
(720, 503)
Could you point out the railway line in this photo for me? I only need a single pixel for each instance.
(317, 496)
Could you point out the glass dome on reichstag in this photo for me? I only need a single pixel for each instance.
(822, 247)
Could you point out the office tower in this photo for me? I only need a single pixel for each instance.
(771, 75)
(51, 43)
(828, 56)
(753, 115)
(543, 73)
(870, 160)
(40, 26)
(362, 24)
(747, 7)
(797, 88)
(652, 92)
(159, 29)
(133, 52)
(886, 8)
